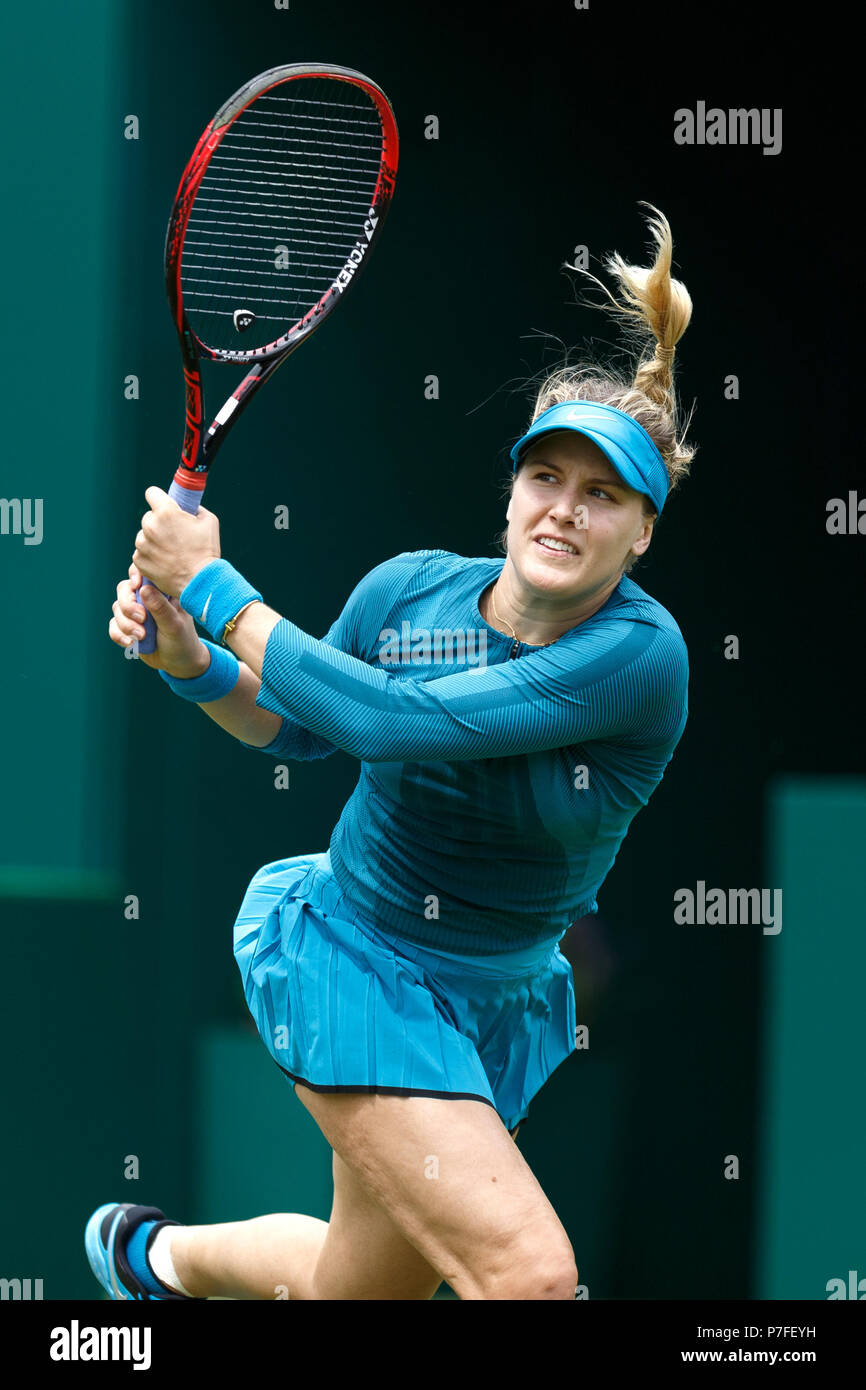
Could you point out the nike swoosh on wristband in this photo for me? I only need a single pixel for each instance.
(204, 610)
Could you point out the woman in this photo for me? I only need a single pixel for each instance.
(408, 982)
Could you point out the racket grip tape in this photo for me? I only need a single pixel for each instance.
(189, 499)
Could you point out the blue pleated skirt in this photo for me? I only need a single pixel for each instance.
(343, 1006)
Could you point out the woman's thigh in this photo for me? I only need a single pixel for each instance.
(460, 1200)
(365, 1254)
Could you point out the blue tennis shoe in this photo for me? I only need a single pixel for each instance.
(106, 1239)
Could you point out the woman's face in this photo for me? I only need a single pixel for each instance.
(567, 489)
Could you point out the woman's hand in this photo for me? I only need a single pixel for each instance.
(179, 649)
(173, 545)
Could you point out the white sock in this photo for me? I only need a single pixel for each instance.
(160, 1261)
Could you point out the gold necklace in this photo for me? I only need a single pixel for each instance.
(513, 633)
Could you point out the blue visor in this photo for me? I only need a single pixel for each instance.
(621, 439)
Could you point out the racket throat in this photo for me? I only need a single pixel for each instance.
(236, 401)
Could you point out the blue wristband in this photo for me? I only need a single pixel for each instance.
(220, 677)
(215, 595)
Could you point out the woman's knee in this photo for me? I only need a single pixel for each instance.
(534, 1262)
(556, 1282)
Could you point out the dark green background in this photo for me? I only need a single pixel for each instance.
(131, 1037)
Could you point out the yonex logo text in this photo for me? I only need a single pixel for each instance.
(357, 254)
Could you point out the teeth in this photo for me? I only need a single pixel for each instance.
(556, 545)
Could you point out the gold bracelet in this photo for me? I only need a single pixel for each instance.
(230, 625)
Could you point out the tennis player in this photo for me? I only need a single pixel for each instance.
(408, 981)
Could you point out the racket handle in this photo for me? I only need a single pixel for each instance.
(189, 499)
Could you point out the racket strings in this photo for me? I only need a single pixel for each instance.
(245, 261)
(238, 185)
(281, 166)
(248, 235)
(270, 235)
(271, 130)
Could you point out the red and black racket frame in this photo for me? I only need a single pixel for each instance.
(200, 448)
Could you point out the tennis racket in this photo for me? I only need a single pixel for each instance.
(276, 214)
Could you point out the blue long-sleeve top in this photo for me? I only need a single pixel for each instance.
(497, 780)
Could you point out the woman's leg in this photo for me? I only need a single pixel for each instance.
(365, 1246)
(455, 1185)
(364, 1254)
(277, 1256)
(424, 1189)
(267, 1257)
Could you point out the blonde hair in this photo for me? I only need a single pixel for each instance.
(655, 310)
